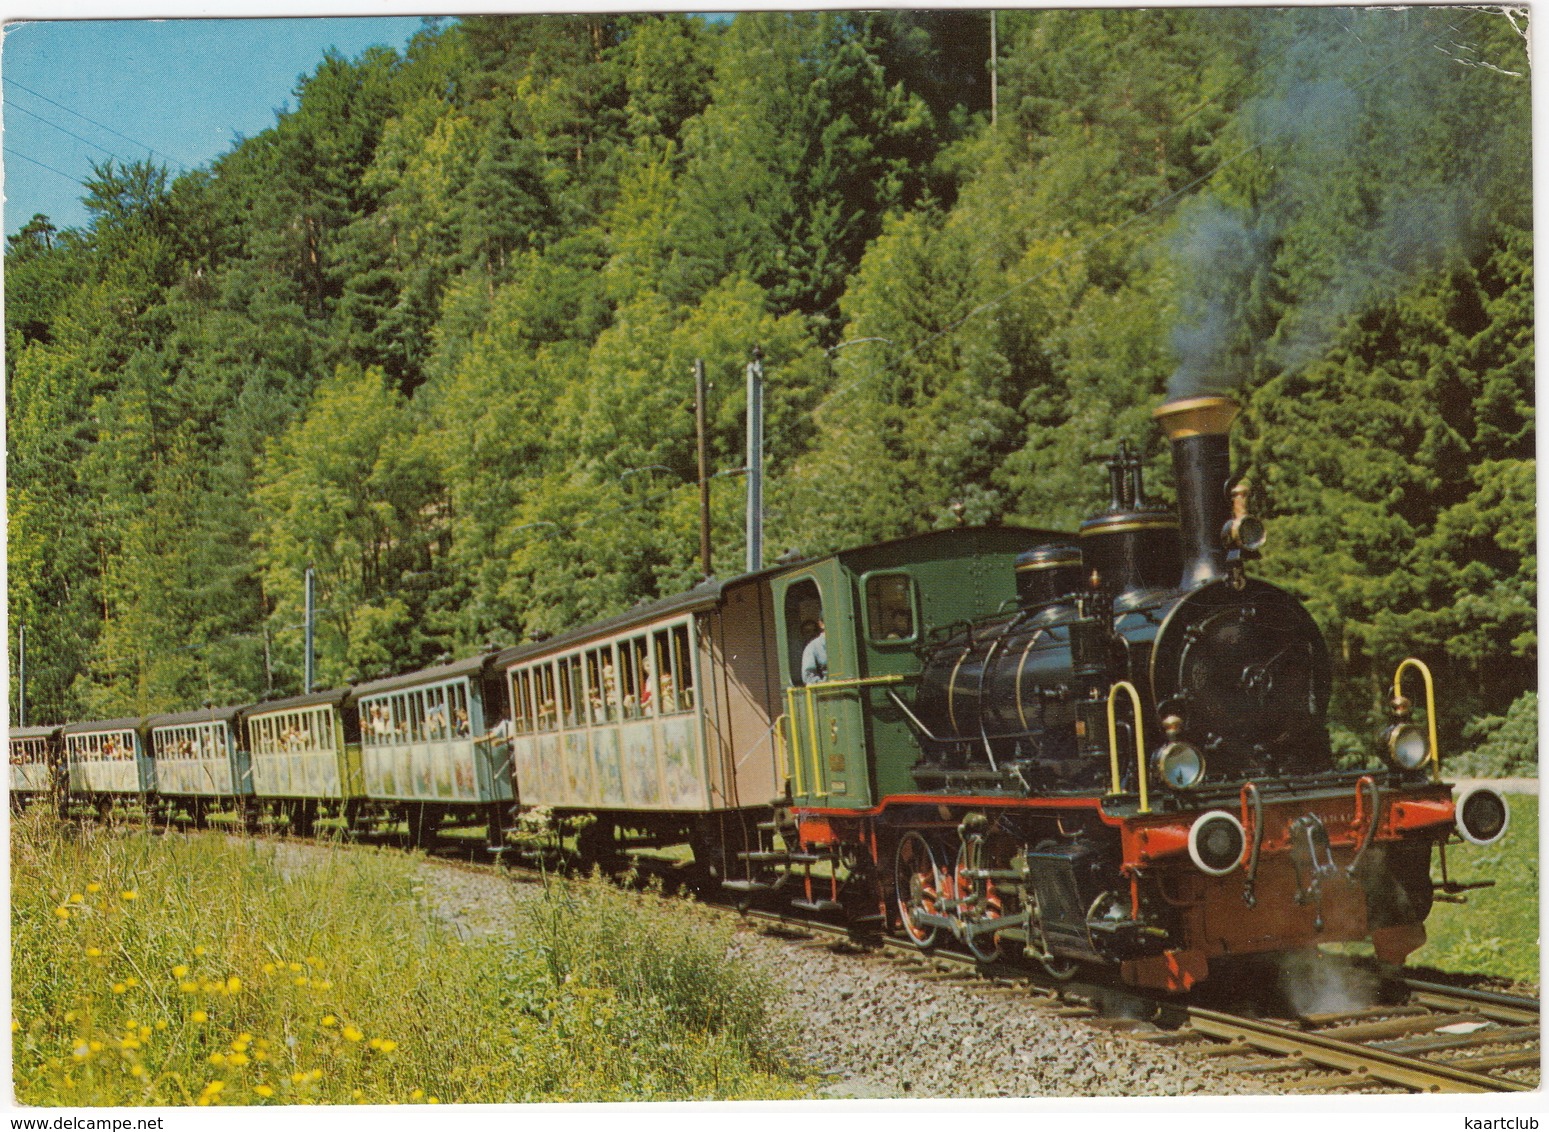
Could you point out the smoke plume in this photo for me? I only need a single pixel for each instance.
(1363, 169)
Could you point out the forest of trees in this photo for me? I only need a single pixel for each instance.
(432, 333)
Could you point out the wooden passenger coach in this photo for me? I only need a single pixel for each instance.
(200, 757)
(305, 751)
(107, 758)
(429, 747)
(656, 720)
(34, 759)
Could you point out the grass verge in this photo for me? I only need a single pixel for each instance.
(172, 970)
(1496, 932)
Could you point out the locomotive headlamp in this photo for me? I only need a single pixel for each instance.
(1179, 765)
(1216, 842)
(1482, 816)
(1407, 746)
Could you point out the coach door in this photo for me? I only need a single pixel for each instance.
(823, 734)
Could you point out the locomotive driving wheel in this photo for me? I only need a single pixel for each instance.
(917, 883)
(978, 900)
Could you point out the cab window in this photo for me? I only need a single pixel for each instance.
(890, 615)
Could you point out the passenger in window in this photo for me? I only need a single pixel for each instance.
(669, 694)
(814, 658)
(900, 625)
(460, 721)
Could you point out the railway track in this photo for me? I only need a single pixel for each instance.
(1437, 1039)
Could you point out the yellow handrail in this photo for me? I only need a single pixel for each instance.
(1430, 706)
(1140, 742)
(809, 692)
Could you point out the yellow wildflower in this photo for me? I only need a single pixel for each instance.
(131, 1043)
(330, 1020)
(203, 1099)
(96, 1047)
(264, 1090)
(129, 894)
(302, 980)
(244, 1037)
(94, 953)
(237, 1059)
(432, 1100)
(137, 1070)
(233, 985)
(351, 1034)
(62, 912)
(15, 1025)
(93, 887)
(416, 1094)
(188, 988)
(145, 1032)
(313, 961)
(260, 1055)
(375, 1043)
(209, 987)
(270, 968)
(214, 1086)
(298, 1078)
(317, 1074)
(358, 1094)
(217, 1058)
(199, 1016)
(199, 950)
(264, 1043)
(119, 988)
(388, 1045)
(293, 967)
(131, 981)
(179, 971)
(76, 898)
(321, 984)
(69, 1016)
(161, 1023)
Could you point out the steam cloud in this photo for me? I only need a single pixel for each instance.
(1348, 124)
(1314, 984)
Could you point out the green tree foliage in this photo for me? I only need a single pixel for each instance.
(432, 332)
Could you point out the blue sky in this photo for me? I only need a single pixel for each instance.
(75, 92)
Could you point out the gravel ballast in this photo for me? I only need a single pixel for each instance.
(876, 1030)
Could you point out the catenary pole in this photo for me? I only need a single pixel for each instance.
(756, 461)
(704, 465)
(311, 616)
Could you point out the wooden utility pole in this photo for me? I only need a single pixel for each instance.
(994, 72)
(704, 465)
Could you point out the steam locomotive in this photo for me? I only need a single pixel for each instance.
(1108, 749)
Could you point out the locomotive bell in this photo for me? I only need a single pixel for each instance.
(1199, 429)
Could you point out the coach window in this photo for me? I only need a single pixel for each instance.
(890, 606)
(462, 723)
(803, 622)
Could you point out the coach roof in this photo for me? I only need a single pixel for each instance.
(469, 667)
(202, 715)
(131, 723)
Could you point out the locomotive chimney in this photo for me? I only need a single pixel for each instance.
(1199, 429)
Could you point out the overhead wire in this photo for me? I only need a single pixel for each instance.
(50, 168)
(94, 122)
(68, 133)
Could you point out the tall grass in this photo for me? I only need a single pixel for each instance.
(208, 970)
(1497, 931)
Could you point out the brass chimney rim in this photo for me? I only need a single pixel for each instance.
(1197, 416)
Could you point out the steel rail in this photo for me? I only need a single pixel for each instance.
(1352, 1057)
